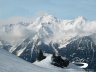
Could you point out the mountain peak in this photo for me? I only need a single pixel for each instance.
(79, 21)
(46, 18)
(80, 18)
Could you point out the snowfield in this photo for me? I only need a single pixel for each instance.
(11, 63)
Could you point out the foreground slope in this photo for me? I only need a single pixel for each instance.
(11, 63)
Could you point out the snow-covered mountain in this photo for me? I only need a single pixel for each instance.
(51, 35)
(81, 50)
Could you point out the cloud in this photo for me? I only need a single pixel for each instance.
(16, 32)
(63, 30)
(15, 20)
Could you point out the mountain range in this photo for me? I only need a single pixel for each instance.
(73, 39)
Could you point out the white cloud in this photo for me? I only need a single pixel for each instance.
(15, 20)
(64, 30)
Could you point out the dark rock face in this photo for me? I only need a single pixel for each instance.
(40, 55)
(59, 61)
(46, 48)
(81, 50)
(26, 54)
(31, 50)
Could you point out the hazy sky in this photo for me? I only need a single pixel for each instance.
(66, 9)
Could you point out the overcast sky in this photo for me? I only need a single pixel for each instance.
(66, 9)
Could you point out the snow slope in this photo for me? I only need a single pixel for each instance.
(11, 63)
(46, 63)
